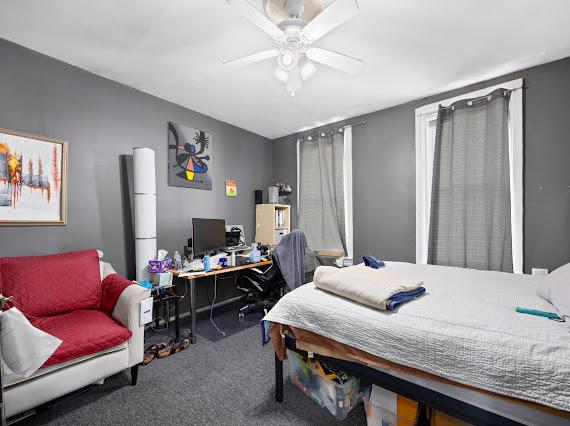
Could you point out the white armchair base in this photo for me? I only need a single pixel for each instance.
(40, 389)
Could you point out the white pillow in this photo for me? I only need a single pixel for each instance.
(555, 288)
(25, 348)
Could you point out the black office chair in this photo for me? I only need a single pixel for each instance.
(263, 288)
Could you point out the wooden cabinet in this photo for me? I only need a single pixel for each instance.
(272, 221)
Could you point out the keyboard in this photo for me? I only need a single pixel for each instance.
(240, 261)
(237, 248)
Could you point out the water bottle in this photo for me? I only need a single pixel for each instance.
(255, 255)
(206, 263)
(177, 261)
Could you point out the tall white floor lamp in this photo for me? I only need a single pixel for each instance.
(145, 209)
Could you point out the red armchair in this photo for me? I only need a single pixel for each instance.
(97, 320)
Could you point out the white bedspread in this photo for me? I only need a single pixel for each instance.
(464, 328)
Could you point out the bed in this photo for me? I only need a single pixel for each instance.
(462, 340)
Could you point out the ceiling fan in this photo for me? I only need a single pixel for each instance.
(295, 25)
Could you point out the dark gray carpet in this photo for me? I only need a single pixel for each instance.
(227, 322)
(215, 382)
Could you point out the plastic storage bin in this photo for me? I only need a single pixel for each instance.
(163, 279)
(337, 398)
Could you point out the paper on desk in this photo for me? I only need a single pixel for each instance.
(215, 260)
(190, 274)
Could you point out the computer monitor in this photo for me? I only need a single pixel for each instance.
(208, 235)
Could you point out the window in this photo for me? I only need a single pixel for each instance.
(324, 182)
(425, 138)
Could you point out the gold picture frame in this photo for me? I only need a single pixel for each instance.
(33, 179)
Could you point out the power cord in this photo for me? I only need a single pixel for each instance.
(166, 325)
(178, 298)
(212, 306)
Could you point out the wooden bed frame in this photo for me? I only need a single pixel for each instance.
(422, 395)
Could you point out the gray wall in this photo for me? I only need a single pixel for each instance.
(384, 171)
(103, 121)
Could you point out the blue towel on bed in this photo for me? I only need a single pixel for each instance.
(403, 297)
(372, 262)
(265, 331)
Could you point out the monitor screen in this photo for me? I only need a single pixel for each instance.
(208, 234)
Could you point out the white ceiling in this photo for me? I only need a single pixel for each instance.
(174, 49)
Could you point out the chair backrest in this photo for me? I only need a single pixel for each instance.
(54, 284)
(290, 256)
(274, 273)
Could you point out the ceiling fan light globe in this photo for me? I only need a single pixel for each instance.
(307, 69)
(286, 60)
(281, 75)
(294, 82)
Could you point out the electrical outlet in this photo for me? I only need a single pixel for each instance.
(539, 271)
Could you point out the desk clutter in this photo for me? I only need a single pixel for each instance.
(223, 259)
(214, 249)
(219, 252)
(162, 291)
(164, 269)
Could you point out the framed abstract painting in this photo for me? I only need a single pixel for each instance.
(189, 157)
(33, 179)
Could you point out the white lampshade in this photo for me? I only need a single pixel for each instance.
(294, 82)
(287, 59)
(307, 68)
(145, 250)
(144, 171)
(281, 75)
(145, 209)
(145, 216)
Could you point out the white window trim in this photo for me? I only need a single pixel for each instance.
(347, 183)
(424, 156)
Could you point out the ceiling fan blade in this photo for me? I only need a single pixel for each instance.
(330, 18)
(335, 60)
(253, 58)
(250, 12)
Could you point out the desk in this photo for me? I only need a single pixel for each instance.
(191, 277)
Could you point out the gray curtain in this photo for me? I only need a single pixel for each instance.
(321, 193)
(470, 222)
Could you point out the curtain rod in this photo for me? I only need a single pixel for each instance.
(474, 99)
(480, 98)
(328, 132)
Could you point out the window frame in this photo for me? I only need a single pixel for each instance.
(424, 163)
(347, 259)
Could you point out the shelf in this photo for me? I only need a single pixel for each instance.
(271, 222)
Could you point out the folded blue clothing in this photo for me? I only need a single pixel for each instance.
(372, 262)
(403, 297)
(265, 331)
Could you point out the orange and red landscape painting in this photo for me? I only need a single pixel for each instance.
(30, 179)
